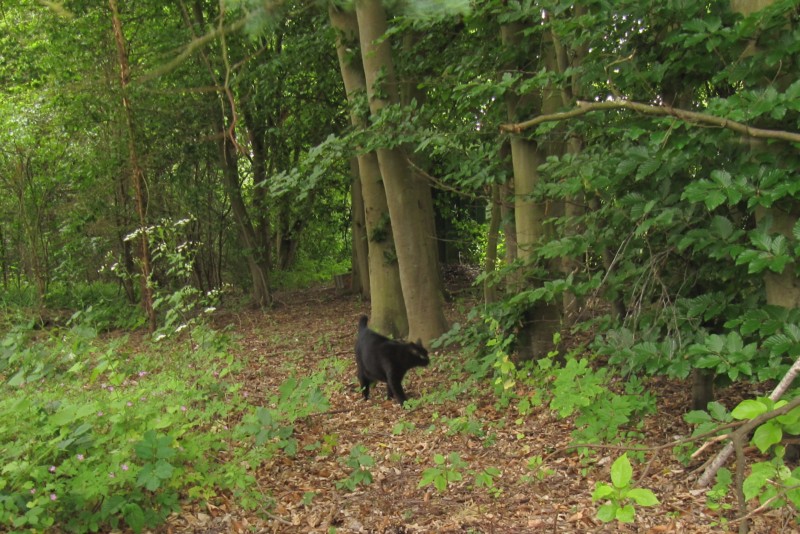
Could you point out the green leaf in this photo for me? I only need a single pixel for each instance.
(748, 409)
(714, 199)
(607, 512)
(760, 474)
(163, 469)
(722, 227)
(601, 491)
(625, 514)
(696, 417)
(642, 496)
(621, 471)
(134, 516)
(767, 435)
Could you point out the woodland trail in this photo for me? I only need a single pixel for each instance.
(316, 329)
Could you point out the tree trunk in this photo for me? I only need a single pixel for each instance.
(32, 252)
(121, 219)
(410, 90)
(358, 233)
(574, 207)
(261, 210)
(386, 294)
(137, 173)
(783, 289)
(489, 290)
(260, 296)
(544, 319)
(255, 255)
(419, 275)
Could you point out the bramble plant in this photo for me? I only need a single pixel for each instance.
(448, 470)
(485, 479)
(359, 461)
(620, 493)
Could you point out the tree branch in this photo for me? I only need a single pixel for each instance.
(648, 109)
(722, 456)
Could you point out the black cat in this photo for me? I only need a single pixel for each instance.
(382, 359)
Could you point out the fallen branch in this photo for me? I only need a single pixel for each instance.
(725, 453)
(649, 109)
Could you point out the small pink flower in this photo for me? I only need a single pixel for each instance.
(80, 457)
(53, 496)
(100, 413)
(110, 388)
(52, 469)
(142, 373)
(129, 403)
(33, 490)
(124, 467)
(183, 408)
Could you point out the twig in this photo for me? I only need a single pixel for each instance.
(648, 109)
(441, 185)
(725, 453)
(329, 412)
(758, 510)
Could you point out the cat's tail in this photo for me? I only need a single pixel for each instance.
(362, 323)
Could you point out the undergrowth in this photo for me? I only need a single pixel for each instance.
(108, 433)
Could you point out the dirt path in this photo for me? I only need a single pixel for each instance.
(317, 328)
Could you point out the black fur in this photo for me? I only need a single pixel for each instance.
(381, 359)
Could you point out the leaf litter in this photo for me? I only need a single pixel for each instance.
(317, 327)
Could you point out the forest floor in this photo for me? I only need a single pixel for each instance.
(318, 326)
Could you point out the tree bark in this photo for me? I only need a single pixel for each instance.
(255, 255)
(783, 289)
(386, 294)
(137, 173)
(489, 290)
(419, 275)
(544, 319)
(575, 207)
(410, 91)
(358, 233)
(261, 209)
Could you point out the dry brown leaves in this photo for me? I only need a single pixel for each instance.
(309, 327)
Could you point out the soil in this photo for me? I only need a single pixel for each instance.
(318, 326)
